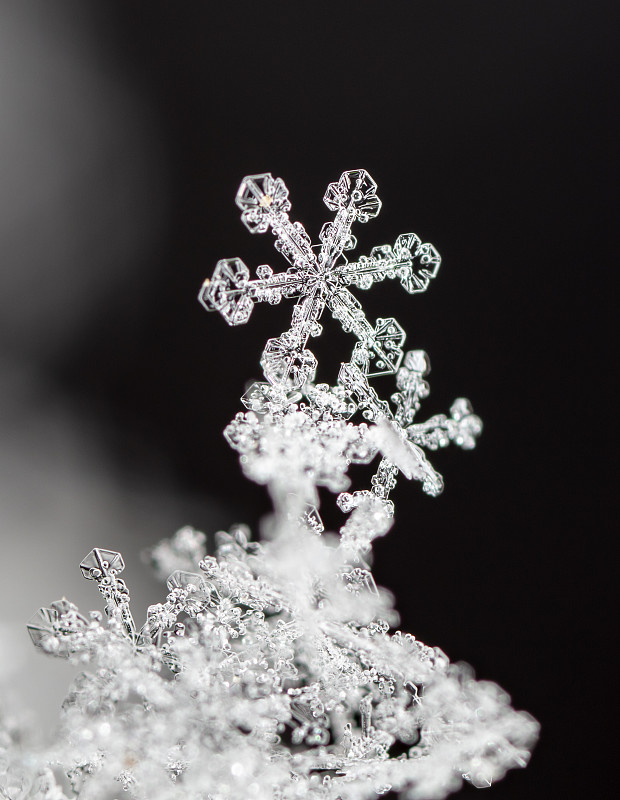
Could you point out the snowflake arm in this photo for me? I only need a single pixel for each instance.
(415, 264)
(382, 344)
(264, 203)
(462, 427)
(231, 292)
(103, 566)
(354, 198)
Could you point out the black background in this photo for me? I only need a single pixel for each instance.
(490, 130)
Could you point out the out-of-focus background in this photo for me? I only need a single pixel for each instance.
(125, 128)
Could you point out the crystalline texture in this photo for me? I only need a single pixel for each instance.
(319, 278)
(288, 679)
(275, 669)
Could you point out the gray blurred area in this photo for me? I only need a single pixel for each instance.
(82, 215)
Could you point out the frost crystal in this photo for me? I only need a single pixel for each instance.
(278, 426)
(274, 669)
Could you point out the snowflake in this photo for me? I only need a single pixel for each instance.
(274, 429)
(275, 669)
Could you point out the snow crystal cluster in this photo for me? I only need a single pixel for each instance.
(291, 417)
(275, 669)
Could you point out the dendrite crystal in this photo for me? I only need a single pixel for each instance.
(317, 428)
(275, 669)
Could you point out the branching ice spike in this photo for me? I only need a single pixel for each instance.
(103, 566)
(319, 277)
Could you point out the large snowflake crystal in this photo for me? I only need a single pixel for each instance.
(274, 670)
(319, 277)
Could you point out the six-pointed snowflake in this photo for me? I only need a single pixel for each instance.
(319, 277)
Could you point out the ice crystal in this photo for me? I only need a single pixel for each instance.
(278, 426)
(275, 669)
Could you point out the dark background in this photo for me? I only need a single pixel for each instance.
(490, 129)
